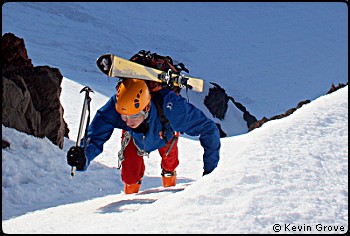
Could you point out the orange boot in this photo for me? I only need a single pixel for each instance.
(168, 178)
(132, 188)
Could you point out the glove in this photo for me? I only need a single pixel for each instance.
(76, 157)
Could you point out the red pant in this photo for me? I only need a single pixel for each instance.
(133, 166)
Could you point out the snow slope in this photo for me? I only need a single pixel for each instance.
(291, 172)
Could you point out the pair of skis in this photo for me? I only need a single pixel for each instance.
(115, 66)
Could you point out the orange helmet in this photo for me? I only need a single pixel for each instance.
(132, 97)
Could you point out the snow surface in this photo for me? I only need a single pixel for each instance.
(269, 56)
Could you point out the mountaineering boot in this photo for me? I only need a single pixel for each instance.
(168, 178)
(132, 188)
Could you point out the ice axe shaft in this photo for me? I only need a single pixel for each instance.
(87, 100)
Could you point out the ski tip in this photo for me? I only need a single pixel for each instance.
(104, 63)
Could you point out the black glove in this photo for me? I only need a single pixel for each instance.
(206, 172)
(76, 157)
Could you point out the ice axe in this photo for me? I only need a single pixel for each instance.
(86, 106)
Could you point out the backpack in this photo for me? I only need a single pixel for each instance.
(163, 63)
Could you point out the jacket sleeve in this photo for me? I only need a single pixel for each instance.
(101, 129)
(184, 117)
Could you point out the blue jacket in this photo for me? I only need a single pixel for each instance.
(183, 117)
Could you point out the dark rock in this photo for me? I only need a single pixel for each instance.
(5, 144)
(335, 88)
(31, 94)
(222, 133)
(259, 123)
(217, 103)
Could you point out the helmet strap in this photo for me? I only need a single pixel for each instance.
(146, 114)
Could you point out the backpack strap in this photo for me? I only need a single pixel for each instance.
(158, 101)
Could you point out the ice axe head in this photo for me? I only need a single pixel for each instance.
(86, 89)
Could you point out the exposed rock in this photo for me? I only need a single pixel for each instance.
(222, 133)
(333, 88)
(259, 123)
(17, 106)
(287, 113)
(30, 94)
(217, 103)
(5, 144)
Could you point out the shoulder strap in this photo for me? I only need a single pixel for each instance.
(158, 101)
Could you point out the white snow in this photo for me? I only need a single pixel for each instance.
(269, 56)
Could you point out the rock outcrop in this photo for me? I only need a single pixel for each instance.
(259, 123)
(30, 94)
(217, 103)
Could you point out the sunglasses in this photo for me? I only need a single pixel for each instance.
(125, 117)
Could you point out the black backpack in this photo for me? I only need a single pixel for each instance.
(159, 62)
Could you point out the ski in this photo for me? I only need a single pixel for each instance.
(115, 66)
